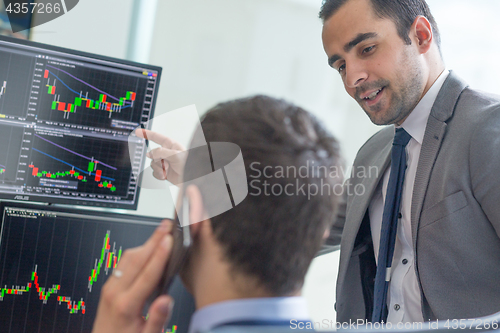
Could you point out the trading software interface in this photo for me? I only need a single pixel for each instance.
(54, 262)
(65, 121)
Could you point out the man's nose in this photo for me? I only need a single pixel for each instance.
(356, 74)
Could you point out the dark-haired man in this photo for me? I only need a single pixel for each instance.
(247, 265)
(431, 221)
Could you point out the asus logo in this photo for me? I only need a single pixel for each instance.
(21, 197)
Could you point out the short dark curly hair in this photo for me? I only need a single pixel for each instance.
(402, 12)
(273, 238)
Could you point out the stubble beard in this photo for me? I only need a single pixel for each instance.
(403, 100)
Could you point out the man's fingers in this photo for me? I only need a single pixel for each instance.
(134, 260)
(170, 155)
(150, 275)
(160, 169)
(164, 168)
(167, 164)
(159, 313)
(160, 139)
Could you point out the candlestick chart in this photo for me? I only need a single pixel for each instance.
(54, 264)
(91, 97)
(84, 164)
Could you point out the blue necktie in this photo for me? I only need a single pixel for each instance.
(390, 224)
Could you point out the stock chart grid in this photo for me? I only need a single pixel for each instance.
(15, 82)
(68, 118)
(90, 97)
(82, 164)
(54, 264)
(10, 139)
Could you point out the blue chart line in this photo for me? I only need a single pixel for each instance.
(85, 172)
(88, 158)
(88, 84)
(3, 166)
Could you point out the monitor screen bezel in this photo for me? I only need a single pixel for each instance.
(31, 197)
(124, 218)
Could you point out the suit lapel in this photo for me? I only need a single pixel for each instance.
(359, 205)
(435, 131)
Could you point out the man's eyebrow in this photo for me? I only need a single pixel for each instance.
(332, 59)
(349, 46)
(358, 39)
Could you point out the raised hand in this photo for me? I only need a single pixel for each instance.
(167, 162)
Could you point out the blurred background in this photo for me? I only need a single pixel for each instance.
(216, 50)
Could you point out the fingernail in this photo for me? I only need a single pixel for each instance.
(166, 243)
(165, 308)
(165, 225)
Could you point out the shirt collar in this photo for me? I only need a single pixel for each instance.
(417, 120)
(270, 308)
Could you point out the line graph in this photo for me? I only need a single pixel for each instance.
(91, 86)
(91, 97)
(72, 166)
(47, 259)
(81, 164)
(70, 173)
(81, 101)
(75, 153)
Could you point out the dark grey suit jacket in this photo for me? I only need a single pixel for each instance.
(455, 211)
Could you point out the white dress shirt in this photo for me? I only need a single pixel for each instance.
(263, 309)
(404, 299)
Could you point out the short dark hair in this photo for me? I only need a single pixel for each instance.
(273, 238)
(402, 12)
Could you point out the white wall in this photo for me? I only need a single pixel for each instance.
(470, 40)
(93, 26)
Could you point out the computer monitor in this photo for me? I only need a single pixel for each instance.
(54, 261)
(65, 123)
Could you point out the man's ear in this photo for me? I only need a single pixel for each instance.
(196, 210)
(421, 33)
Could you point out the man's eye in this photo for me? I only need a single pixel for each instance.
(341, 68)
(368, 49)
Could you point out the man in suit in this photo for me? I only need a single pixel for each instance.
(247, 265)
(446, 252)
